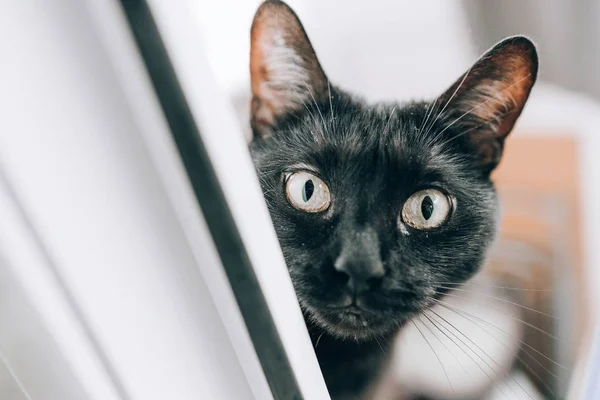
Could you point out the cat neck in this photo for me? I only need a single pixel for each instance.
(350, 367)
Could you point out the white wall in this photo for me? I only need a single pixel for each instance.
(384, 49)
(102, 295)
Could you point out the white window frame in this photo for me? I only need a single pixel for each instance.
(105, 242)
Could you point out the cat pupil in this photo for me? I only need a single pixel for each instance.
(308, 190)
(427, 207)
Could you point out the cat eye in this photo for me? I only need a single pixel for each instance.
(426, 209)
(306, 192)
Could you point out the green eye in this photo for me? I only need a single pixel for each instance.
(426, 209)
(306, 192)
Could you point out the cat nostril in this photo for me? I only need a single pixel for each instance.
(374, 282)
(341, 277)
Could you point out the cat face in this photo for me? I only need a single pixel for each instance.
(377, 206)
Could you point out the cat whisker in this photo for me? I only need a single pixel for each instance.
(479, 105)
(331, 106)
(506, 345)
(463, 133)
(427, 111)
(483, 351)
(467, 353)
(518, 357)
(380, 346)
(460, 311)
(460, 348)
(443, 344)
(515, 318)
(485, 285)
(494, 298)
(540, 379)
(307, 109)
(434, 353)
(523, 362)
(319, 339)
(388, 121)
(315, 102)
(449, 100)
(428, 114)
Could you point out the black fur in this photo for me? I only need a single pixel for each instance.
(373, 158)
(371, 171)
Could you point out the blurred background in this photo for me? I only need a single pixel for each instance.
(547, 250)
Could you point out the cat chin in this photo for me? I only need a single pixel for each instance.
(357, 334)
(349, 326)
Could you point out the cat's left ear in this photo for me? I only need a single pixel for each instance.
(284, 68)
(487, 100)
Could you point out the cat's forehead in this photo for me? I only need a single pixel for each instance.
(380, 136)
(356, 143)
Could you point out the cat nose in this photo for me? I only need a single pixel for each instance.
(359, 275)
(359, 266)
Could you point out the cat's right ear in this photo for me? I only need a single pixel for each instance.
(488, 99)
(284, 69)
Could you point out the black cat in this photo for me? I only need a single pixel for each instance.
(376, 206)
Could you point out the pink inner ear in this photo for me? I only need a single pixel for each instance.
(263, 108)
(490, 97)
(501, 101)
(263, 117)
(496, 89)
(284, 68)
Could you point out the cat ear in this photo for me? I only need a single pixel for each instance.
(487, 100)
(284, 68)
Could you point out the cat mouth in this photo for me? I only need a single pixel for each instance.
(350, 321)
(355, 318)
(353, 315)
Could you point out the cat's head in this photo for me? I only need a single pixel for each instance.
(377, 206)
